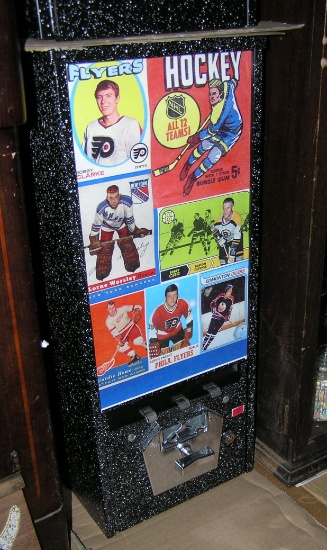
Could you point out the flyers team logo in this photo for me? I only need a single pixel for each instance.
(139, 152)
(171, 323)
(175, 106)
(140, 191)
(102, 148)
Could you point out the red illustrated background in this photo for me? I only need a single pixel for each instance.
(168, 188)
(105, 345)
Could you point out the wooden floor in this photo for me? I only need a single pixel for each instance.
(251, 512)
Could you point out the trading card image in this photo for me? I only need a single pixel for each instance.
(119, 338)
(117, 224)
(201, 124)
(223, 313)
(204, 234)
(172, 327)
(109, 116)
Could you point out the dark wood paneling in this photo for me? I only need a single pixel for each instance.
(294, 215)
(12, 106)
(25, 423)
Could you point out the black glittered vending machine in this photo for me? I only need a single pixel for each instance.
(146, 160)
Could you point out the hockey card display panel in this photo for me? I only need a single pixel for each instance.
(162, 157)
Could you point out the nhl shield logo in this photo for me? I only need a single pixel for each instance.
(139, 191)
(175, 106)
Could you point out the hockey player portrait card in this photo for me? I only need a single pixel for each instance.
(203, 234)
(117, 224)
(172, 323)
(109, 117)
(201, 123)
(119, 338)
(224, 304)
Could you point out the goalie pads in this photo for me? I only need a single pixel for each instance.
(154, 349)
(187, 336)
(130, 254)
(178, 345)
(104, 262)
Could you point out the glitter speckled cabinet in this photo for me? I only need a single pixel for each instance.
(146, 156)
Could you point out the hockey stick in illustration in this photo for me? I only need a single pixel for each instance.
(142, 233)
(171, 166)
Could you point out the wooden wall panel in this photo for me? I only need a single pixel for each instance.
(25, 423)
(294, 214)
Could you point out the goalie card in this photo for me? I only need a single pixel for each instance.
(172, 326)
(118, 235)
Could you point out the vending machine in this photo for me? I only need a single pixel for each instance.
(146, 157)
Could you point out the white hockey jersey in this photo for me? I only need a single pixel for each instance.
(113, 144)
